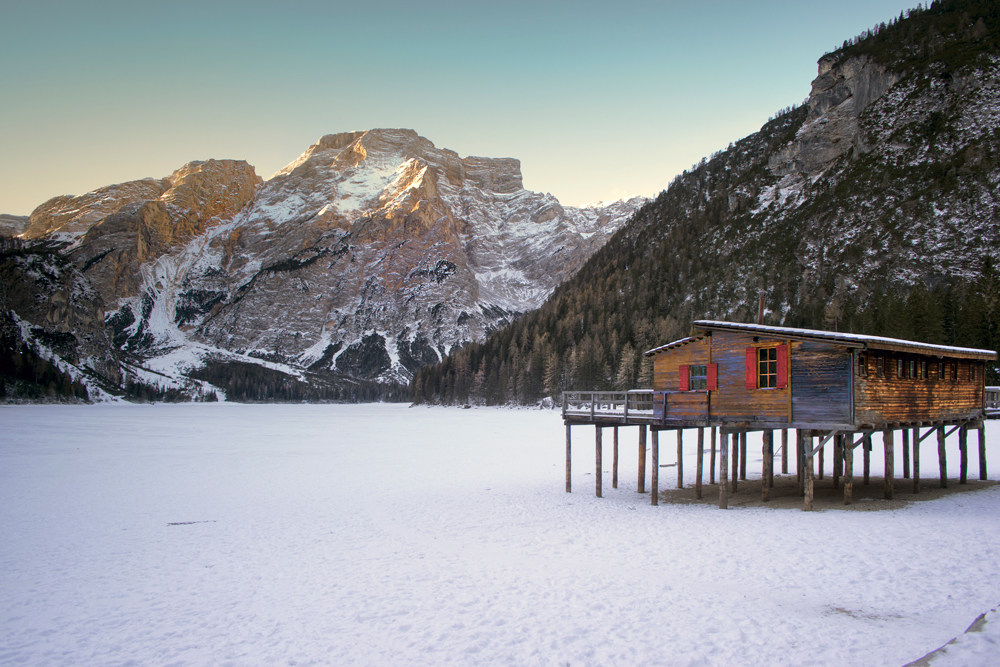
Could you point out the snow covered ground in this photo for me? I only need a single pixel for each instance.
(223, 534)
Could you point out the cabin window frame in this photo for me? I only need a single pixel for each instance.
(913, 369)
(940, 370)
(880, 366)
(863, 365)
(698, 377)
(900, 369)
(767, 368)
(954, 371)
(923, 369)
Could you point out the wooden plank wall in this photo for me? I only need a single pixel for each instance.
(896, 399)
(821, 376)
(734, 400)
(665, 364)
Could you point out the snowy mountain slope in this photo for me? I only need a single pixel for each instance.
(371, 255)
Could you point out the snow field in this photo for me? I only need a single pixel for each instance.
(382, 534)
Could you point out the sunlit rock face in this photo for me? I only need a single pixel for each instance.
(372, 254)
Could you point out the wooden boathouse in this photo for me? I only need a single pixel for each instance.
(832, 388)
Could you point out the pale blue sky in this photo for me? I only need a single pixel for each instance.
(597, 99)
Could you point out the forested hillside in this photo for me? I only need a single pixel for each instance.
(871, 209)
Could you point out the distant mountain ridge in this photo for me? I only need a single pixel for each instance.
(371, 255)
(873, 207)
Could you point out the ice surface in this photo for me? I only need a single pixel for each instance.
(224, 534)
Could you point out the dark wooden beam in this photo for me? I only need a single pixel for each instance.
(655, 482)
(809, 475)
(784, 451)
(598, 463)
(982, 451)
(963, 451)
(866, 447)
(848, 475)
(724, 470)
(711, 462)
(736, 461)
(906, 453)
(916, 460)
(614, 461)
(743, 455)
(942, 458)
(768, 466)
(890, 473)
(569, 463)
(641, 488)
(680, 458)
(699, 463)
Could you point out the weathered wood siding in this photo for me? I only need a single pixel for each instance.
(894, 399)
(665, 364)
(687, 405)
(821, 383)
(733, 400)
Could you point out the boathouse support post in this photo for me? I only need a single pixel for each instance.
(736, 461)
(982, 451)
(963, 451)
(942, 458)
(569, 459)
(598, 462)
(906, 454)
(711, 462)
(680, 458)
(614, 460)
(838, 452)
(849, 469)
(916, 460)
(724, 470)
(890, 473)
(820, 463)
(867, 447)
(699, 464)
(654, 489)
(808, 473)
(784, 451)
(800, 460)
(641, 488)
(768, 464)
(743, 456)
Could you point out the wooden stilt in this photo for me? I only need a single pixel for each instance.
(569, 460)
(942, 458)
(641, 488)
(963, 451)
(766, 473)
(770, 449)
(711, 463)
(736, 461)
(890, 473)
(784, 451)
(820, 464)
(723, 471)
(743, 456)
(916, 460)
(906, 454)
(982, 452)
(800, 460)
(614, 461)
(655, 482)
(680, 458)
(599, 464)
(809, 474)
(849, 471)
(699, 463)
(866, 444)
(837, 447)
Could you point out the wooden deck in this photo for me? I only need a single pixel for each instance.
(638, 407)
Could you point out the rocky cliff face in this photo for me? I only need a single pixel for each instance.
(371, 255)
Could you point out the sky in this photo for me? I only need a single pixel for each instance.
(598, 100)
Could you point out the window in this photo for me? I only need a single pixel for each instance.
(923, 370)
(940, 370)
(900, 368)
(880, 367)
(913, 368)
(767, 367)
(862, 365)
(698, 377)
(954, 372)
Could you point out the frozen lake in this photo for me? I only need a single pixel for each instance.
(226, 534)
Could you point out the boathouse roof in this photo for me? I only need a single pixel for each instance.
(846, 339)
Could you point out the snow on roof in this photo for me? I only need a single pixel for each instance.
(851, 340)
(676, 343)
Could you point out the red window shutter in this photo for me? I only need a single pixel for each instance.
(685, 378)
(713, 377)
(751, 368)
(782, 366)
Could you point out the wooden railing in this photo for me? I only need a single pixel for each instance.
(635, 405)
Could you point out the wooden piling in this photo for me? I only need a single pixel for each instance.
(770, 449)
(743, 456)
(614, 461)
(569, 459)
(784, 451)
(982, 451)
(906, 454)
(711, 463)
(655, 482)
(736, 461)
(820, 464)
(723, 471)
(599, 464)
(641, 488)
(809, 474)
(836, 460)
(866, 444)
(963, 451)
(942, 458)
(849, 470)
(890, 473)
(699, 463)
(680, 458)
(768, 467)
(800, 461)
(916, 460)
